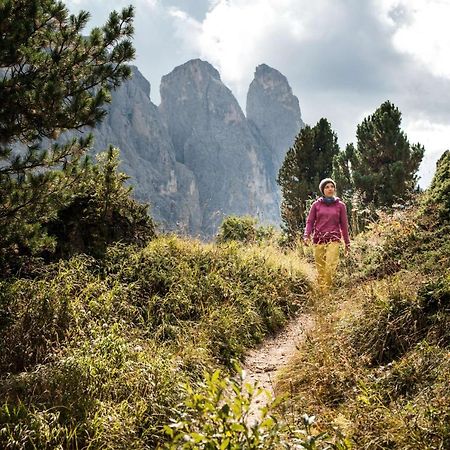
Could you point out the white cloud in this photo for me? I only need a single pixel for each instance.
(187, 29)
(435, 138)
(421, 30)
(237, 35)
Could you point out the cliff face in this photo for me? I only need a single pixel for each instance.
(274, 110)
(134, 125)
(213, 139)
(197, 158)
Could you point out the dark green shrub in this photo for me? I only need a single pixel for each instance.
(243, 229)
(100, 211)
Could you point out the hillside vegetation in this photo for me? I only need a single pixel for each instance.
(135, 347)
(377, 365)
(94, 351)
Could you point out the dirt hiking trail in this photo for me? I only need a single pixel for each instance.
(262, 363)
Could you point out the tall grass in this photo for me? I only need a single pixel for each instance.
(94, 351)
(376, 366)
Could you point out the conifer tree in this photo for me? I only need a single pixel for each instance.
(308, 161)
(436, 201)
(384, 164)
(342, 171)
(52, 79)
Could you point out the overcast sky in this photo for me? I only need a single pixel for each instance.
(342, 58)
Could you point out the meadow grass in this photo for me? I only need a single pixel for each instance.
(376, 364)
(94, 352)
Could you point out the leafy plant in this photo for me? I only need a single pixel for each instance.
(216, 415)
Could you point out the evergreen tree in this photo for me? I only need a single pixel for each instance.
(384, 164)
(52, 79)
(100, 212)
(342, 171)
(308, 161)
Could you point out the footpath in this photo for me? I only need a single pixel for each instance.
(262, 363)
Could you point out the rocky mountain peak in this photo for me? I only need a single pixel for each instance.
(271, 79)
(194, 74)
(196, 158)
(275, 110)
(140, 81)
(214, 140)
(193, 95)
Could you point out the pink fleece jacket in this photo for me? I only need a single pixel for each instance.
(327, 223)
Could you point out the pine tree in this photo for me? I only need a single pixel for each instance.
(101, 211)
(342, 171)
(308, 161)
(384, 164)
(52, 79)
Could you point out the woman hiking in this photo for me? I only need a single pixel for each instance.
(327, 224)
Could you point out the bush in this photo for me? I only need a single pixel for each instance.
(100, 211)
(96, 349)
(216, 416)
(243, 229)
(398, 313)
(404, 405)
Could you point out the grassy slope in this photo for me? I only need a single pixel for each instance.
(93, 351)
(377, 364)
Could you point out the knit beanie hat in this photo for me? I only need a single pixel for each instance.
(324, 182)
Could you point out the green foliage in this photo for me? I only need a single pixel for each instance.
(383, 167)
(101, 211)
(390, 244)
(405, 405)
(97, 210)
(217, 416)
(21, 429)
(53, 79)
(50, 68)
(342, 172)
(398, 318)
(308, 161)
(412, 237)
(243, 229)
(231, 291)
(94, 350)
(437, 198)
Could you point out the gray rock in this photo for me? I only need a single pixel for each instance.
(213, 139)
(274, 110)
(134, 125)
(197, 158)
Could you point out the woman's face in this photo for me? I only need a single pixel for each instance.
(329, 190)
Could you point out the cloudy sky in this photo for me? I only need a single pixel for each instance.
(343, 58)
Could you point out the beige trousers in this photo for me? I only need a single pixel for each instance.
(327, 259)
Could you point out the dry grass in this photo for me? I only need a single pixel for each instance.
(93, 351)
(376, 365)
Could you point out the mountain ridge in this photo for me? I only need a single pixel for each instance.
(196, 157)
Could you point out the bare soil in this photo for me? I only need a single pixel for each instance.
(262, 363)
